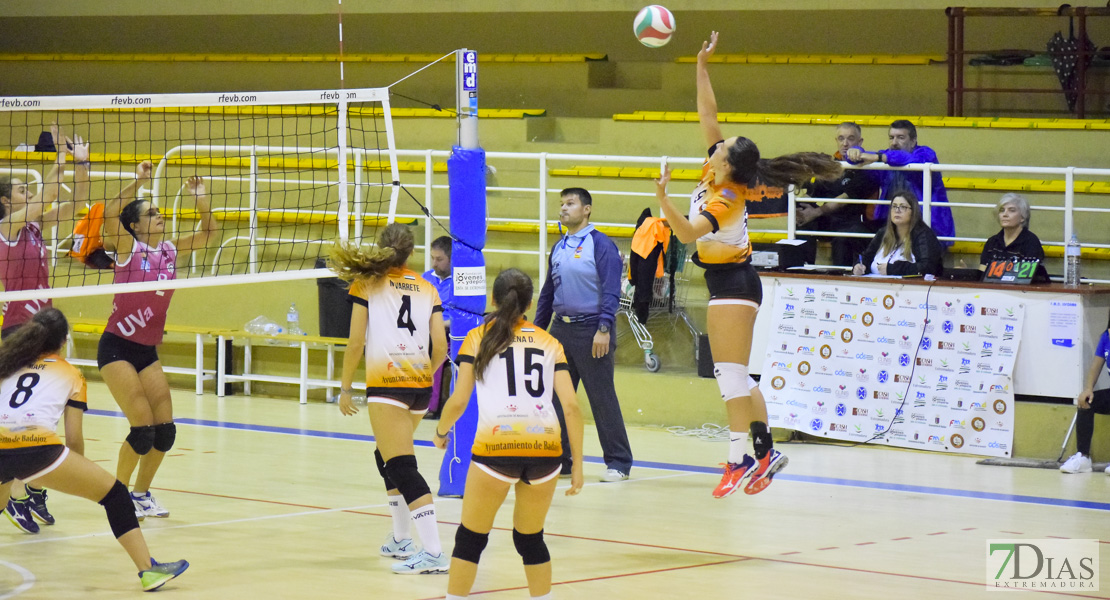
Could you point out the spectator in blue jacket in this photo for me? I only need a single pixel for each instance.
(904, 150)
(581, 294)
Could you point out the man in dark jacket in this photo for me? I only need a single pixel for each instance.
(581, 294)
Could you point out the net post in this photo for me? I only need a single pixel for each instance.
(466, 101)
(252, 195)
(394, 169)
(341, 140)
(543, 216)
(428, 181)
(358, 197)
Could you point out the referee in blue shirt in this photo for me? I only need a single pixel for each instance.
(581, 295)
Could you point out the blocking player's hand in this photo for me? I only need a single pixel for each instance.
(577, 479)
(708, 48)
(346, 406)
(144, 170)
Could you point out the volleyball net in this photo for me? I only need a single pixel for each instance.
(286, 174)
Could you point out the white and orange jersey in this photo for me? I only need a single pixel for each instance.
(33, 399)
(398, 340)
(515, 412)
(725, 205)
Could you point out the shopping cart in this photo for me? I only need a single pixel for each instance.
(667, 304)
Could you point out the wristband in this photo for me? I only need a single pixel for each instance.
(87, 163)
(441, 435)
(346, 390)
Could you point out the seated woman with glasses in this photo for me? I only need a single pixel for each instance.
(1014, 241)
(905, 246)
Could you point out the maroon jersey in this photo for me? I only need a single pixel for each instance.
(141, 316)
(23, 267)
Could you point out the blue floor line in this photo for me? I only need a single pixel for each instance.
(875, 485)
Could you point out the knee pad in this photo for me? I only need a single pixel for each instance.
(120, 510)
(164, 436)
(732, 380)
(469, 545)
(141, 439)
(381, 470)
(402, 472)
(531, 547)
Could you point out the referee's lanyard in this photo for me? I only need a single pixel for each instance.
(578, 250)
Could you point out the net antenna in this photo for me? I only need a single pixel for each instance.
(277, 167)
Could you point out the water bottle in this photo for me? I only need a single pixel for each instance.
(293, 321)
(1071, 266)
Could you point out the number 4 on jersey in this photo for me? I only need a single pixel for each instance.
(404, 316)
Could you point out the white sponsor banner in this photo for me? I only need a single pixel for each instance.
(469, 281)
(914, 367)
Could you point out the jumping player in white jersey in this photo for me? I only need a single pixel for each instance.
(24, 266)
(127, 355)
(36, 386)
(733, 176)
(397, 319)
(517, 367)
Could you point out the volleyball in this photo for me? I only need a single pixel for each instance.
(653, 26)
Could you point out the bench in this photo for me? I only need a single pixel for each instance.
(303, 342)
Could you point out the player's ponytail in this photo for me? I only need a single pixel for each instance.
(747, 168)
(512, 292)
(394, 247)
(46, 332)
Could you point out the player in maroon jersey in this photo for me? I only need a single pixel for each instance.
(24, 266)
(134, 231)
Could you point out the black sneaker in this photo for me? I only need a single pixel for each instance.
(19, 514)
(36, 501)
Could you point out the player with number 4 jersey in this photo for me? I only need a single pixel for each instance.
(397, 320)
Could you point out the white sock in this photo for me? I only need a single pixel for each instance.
(454, 597)
(546, 596)
(401, 518)
(425, 520)
(737, 446)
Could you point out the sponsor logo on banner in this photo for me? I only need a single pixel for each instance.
(862, 376)
(842, 391)
(867, 301)
(941, 345)
(946, 327)
(781, 366)
(829, 297)
(999, 407)
(791, 420)
(879, 395)
(987, 350)
(847, 299)
(900, 378)
(786, 329)
(847, 318)
(929, 327)
(988, 312)
(919, 400)
(807, 333)
(926, 343)
(942, 383)
(826, 351)
(846, 336)
(816, 424)
(888, 302)
(788, 311)
(861, 393)
(865, 356)
(803, 368)
(778, 383)
(907, 323)
(838, 428)
(905, 343)
(924, 362)
(977, 406)
(859, 412)
(883, 358)
(969, 310)
(949, 308)
(957, 441)
(808, 314)
(809, 295)
(469, 281)
(1044, 565)
(819, 408)
(983, 367)
(967, 329)
(796, 404)
(868, 319)
(957, 424)
(965, 366)
(1008, 333)
(939, 402)
(943, 365)
(882, 376)
(1005, 351)
(804, 350)
(882, 339)
(978, 424)
(903, 360)
(965, 349)
(841, 409)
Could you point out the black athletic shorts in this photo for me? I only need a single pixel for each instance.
(26, 463)
(734, 282)
(414, 402)
(113, 348)
(532, 470)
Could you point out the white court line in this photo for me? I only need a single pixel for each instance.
(289, 515)
(28, 580)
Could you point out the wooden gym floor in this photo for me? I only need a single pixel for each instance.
(271, 499)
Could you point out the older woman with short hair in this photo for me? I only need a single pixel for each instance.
(1014, 241)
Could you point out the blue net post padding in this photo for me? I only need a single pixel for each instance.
(466, 176)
